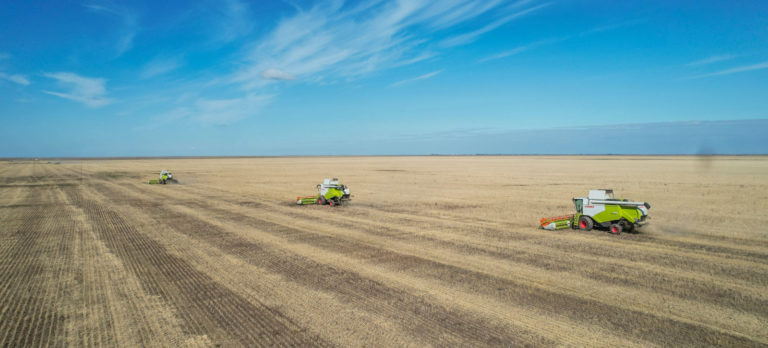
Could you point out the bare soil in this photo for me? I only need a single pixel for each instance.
(432, 251)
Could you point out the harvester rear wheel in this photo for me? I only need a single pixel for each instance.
(586, 223)
(616, 228)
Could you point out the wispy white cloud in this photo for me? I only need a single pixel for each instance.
(226, 111)
(274, 74)
(470, 37)
(712, 59)
(420, 77)
(335, 40)
(234, 20)
(4, 55)
(16, 78)
(612, 26)
(165, 118)
(740, 69)
(159, 66)
(217, 112)
(421, 57)
(507, 53)
(128, 19)
(88, 91)
(449, 13)
(536, 44)
(518, 50)
(125, 43)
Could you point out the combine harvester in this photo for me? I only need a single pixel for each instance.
(601, 210)
(329, 192)
(165, 177)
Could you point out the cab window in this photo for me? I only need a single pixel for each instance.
(579, 205)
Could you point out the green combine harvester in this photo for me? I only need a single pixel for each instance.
(165, 177)
(601, 210)
(329, 192)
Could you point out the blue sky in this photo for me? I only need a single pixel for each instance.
(234, 77)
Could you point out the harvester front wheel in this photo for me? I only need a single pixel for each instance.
(616, 228)
(586, 223)
(321, 200)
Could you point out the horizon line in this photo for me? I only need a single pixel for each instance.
(39, 158)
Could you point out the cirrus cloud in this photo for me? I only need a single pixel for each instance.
(159, 66)
(712, 60)
(417, 78)
(274, 74)
(334, 40)
(738, 69)
(88, 91)
(16, 78)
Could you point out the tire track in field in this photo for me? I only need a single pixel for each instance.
(96, 319)
(729, 246)
(716, 268)
(598, 246)
(416, 315)
(658, 254)
(602, 314)
(733, 241)
(600, 269)
(671, 280)
(58, 262)
(700, 247)
(625, 275)
(18, 272)
(63, 263)
(10, 215)
(583, 239)
(336, 319)
(200, 309)
(30, 315)
(720, 296)
(205, 306)
(139, 320)
(334, 218)
(478, 282)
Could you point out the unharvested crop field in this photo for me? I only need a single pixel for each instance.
(441, 251)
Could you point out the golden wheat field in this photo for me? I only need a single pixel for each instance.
(431, 251)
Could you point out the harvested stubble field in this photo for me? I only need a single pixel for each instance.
(440, 251)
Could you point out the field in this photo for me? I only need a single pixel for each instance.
(440, 251)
